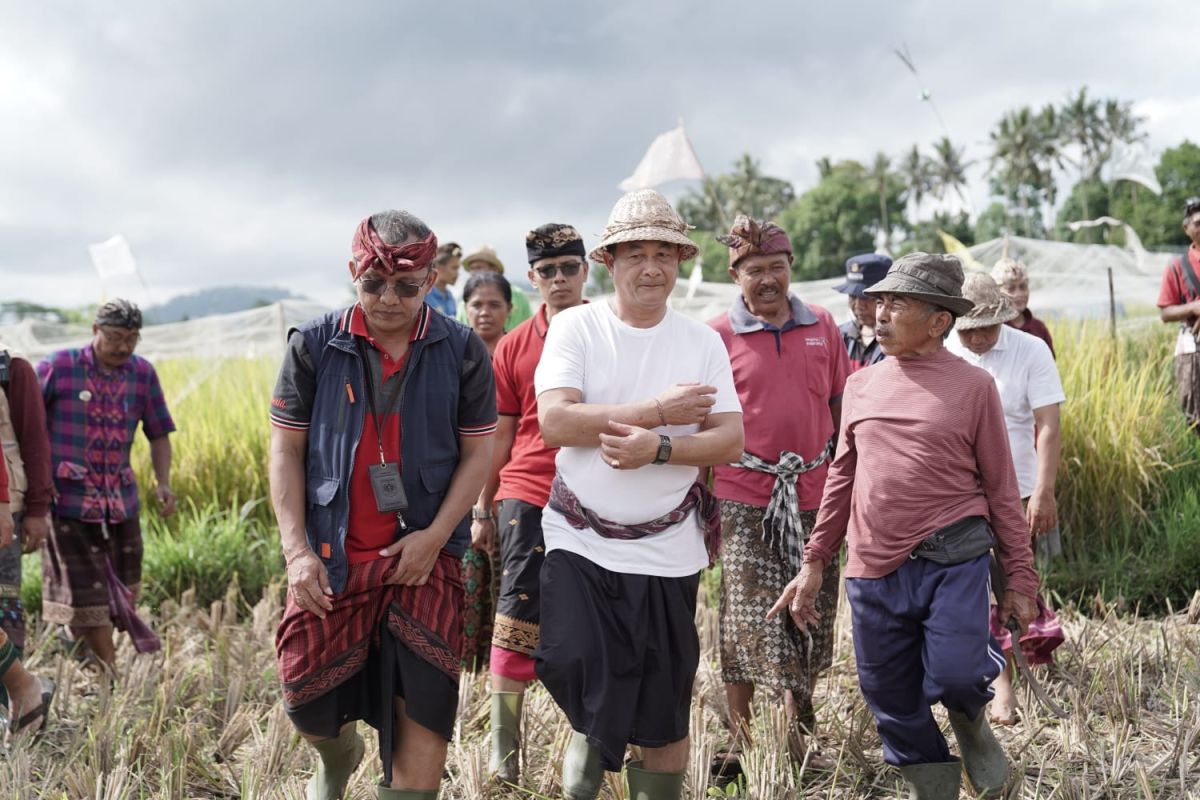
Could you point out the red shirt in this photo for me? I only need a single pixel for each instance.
(1030, 324)
(530, 467)
(785, 380)
(369, 530)
(1175, 290)
(923, 445)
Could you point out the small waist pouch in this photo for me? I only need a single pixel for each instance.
(965, 540)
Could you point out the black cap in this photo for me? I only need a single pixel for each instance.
(863, 271)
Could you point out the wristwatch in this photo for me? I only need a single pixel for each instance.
(481, 513)
(664, 450)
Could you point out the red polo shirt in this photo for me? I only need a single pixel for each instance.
(785, 378)
(530, 468)
(368, 530)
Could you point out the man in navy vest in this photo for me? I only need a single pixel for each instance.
(382, 425)
(858, 334)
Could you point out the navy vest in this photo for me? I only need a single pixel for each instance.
(429, 432)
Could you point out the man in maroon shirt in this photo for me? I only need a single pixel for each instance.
(522, 470)
(1179, 301)
(922, 487)
(1013, 279)
(27, 456)
(789, 367)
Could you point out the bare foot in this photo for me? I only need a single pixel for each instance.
(26, 696)
(1004, 709)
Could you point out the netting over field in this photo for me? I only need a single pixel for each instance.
(1066, 279)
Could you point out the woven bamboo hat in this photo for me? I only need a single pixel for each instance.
(931, 277)
(486, 255)
(645, 216)
(992, 306)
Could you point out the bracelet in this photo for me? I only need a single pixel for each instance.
(482, 513)
(662, 418)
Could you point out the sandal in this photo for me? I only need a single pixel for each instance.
(19, 726)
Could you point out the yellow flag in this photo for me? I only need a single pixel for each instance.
(956, 248)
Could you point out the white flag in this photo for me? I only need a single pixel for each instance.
(696, 278)
(113, 257)
(1135, 163)
(669, 158)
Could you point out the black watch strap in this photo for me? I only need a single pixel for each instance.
(664, 450)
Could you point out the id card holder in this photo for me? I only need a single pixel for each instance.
(388, 488)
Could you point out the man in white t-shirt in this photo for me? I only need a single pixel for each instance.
(641, 401)
(1030, 392)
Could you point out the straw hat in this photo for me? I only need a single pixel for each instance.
(931, 277)
(488, 256)
(641, 216)
(992, 306)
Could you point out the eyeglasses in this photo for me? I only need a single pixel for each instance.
(569, 270)
(121, 338)
(379, 287)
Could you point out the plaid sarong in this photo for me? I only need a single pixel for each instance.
(698, 499)
(316, 655)
(782, 526)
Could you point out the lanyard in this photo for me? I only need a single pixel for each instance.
(390, 401)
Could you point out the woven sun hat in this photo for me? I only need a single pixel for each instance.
(931, 277)
(487, 255)
(645, 216)
(992, 306)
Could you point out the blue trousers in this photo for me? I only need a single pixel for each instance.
(921, 637)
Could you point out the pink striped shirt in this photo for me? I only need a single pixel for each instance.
(922, 445)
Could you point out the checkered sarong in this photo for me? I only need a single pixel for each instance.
(782, 525)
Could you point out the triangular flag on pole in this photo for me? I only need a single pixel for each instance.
(113, 257)
(669, 158)
(1135, 163)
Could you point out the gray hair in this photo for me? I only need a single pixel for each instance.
(119, 314)
(397, 227)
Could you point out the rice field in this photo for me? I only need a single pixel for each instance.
(202, 718)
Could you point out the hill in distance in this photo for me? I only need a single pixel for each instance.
(218, 300)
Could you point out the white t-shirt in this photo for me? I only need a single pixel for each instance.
(1027, 378)
(588, 348)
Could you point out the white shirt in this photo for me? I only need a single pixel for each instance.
(588, 348)
(1025, 374)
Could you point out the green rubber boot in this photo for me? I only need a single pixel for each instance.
(407, 794)
(647, 785)
(939, 781)
(983, 758)
(582, 772)
(505, 762)
(339, 758)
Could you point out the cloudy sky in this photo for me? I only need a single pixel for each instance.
(241, 142)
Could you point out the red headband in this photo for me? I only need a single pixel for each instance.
(755, 237)
(371, 252)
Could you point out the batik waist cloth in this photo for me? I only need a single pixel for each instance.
(698, 499)
(782, 525)
(316, 655)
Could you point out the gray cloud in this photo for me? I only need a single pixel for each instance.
(241, 142)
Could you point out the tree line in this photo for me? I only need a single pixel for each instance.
(901, 201)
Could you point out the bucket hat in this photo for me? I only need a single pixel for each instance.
(645, 216)
(931, 277)
(992, 306)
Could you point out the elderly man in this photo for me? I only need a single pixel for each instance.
(383, 418)
(862, 272)
(922, 486)
(1013, 279)
(522, 469)
(640, 399)
(789, 368)
(485, 260)
(1030, 392)
(1179, 302)
(95, 397)
(27, 457)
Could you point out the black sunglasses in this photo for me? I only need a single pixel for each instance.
(379, 286)
(569, 270)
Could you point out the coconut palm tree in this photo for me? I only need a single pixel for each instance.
(914, 171)
(948, 170)
(881, 176)
(1018, 153)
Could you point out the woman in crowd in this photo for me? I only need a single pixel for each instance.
(487, 299)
